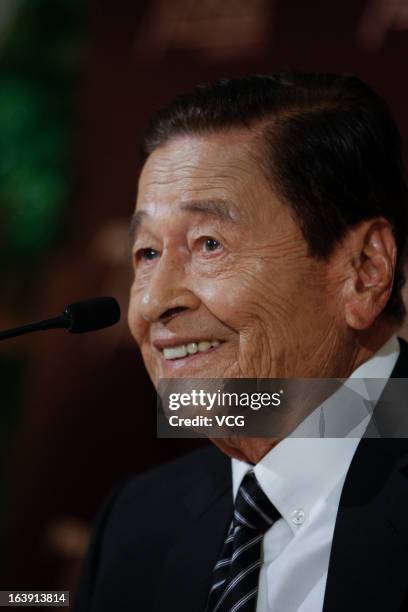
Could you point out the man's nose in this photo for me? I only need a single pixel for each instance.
(168, 291)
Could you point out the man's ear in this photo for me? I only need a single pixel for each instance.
(372, 256)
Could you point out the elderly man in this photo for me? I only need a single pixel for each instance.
(268, 242)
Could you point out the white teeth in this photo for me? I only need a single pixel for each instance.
(192, 348)
(176, 352)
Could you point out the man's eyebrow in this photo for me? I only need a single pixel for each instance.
(221, 209)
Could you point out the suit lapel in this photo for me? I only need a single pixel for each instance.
(207, 510)
(368, 567)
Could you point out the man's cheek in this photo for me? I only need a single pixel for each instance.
(137, 325)
(226, 300)
(240, 291)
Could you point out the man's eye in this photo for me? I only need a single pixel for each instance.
(146, 254)
(211, 244)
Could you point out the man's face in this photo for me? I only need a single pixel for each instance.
(224, 285)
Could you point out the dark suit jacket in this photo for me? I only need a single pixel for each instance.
(157, 539)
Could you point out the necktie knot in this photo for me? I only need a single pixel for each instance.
(253, 510)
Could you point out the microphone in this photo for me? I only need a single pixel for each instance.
(77, 318)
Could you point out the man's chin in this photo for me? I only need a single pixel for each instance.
(229, 446)
(250, 450)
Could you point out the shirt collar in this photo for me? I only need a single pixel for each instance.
(382, 363)
(298, 472)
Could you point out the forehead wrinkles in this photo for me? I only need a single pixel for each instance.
(204, 169)
(199, 158)
(173, 173)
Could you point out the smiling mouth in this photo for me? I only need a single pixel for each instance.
(185, 350)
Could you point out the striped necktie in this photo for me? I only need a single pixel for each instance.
(236, 574)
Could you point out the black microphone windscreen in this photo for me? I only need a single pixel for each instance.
(92, 314)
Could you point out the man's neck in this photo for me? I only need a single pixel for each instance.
(369, 342)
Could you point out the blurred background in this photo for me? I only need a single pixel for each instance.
(78, 82)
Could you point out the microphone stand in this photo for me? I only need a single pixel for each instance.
(61, 322)
(78, 317)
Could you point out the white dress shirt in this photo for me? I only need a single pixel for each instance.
(303, 477)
